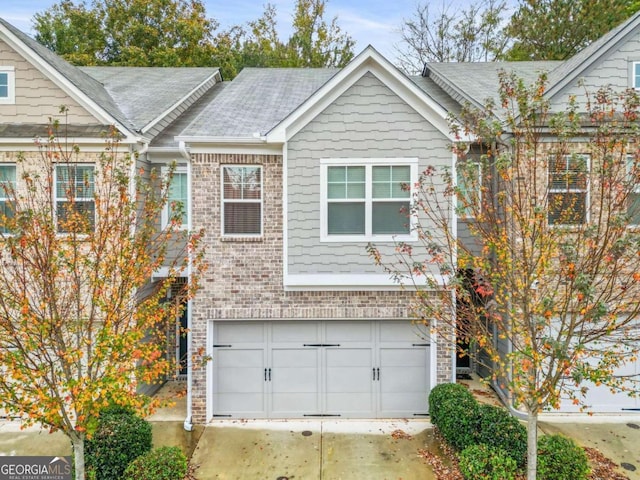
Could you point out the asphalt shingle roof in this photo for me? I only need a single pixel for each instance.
(144, 93)
(477, 82)
(256, 101)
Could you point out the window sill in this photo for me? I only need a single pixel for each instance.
(367, 238)
(242, 239)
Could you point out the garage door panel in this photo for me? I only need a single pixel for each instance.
(403, 381)
(240, 332)
(300, 332)
(239, 380)
(345, 332)
(403, 331)
(349, 387)
(294, 382)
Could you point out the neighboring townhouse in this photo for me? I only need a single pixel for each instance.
(292, 173)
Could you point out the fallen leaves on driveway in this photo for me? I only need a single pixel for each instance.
(398, 434)
(601, 467)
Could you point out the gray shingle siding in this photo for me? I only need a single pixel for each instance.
(367, 121)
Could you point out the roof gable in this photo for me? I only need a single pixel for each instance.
(572, 69)
(368, 61)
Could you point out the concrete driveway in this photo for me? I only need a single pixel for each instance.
(310, 449)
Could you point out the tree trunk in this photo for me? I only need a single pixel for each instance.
(78, 457)
(532, 445)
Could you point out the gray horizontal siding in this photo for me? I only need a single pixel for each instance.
(367, 121)
(614, 70)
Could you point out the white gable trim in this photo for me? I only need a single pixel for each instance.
(352, 281)
(369, 61)
(63, 83)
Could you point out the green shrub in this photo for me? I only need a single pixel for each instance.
(497, 428)
(454, 411)
(559, 458)
(164, 463)
(483, 462)
(442, 393)
(120, 437)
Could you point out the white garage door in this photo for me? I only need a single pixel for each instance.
(355, 369)
(600, 399)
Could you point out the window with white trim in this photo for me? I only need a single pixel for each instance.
(7, 189)
(635, 75)
(177, 205)
(74, 195)
(468, 187)
(7, 85)
(633, 201)
(568, 198)
(241, 200)
(366, 198)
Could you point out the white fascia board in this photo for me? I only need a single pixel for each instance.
(249, 149)
(61, 81)
(215, 76)
(368, 61)
(350, 282)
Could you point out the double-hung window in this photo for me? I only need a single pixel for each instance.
(74, 195)
(633, 201)
(177, 206)
(7, 190)
(568, 197)
(7, 85)
(241, 200)
(468, 188)
(366, 198)
(635, 75)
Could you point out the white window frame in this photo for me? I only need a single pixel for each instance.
(4, 198)
(368, 163)
(478, 166)
(635, 79)
(57, 199)
(10, 99)
(236, 200)
(586, 191)
(179, 170)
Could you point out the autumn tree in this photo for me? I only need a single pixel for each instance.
(472, 34)
(153, 33)
(81, 324)
(558, 29)
(545, 284)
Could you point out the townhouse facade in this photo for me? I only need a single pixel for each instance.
(292, 173)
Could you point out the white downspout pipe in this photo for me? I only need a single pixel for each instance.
(188, 423)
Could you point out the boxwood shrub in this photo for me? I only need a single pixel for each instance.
(445, 392)
(164, 463)
(484, 462)
(497, 428)
(453, 410)
(120, 437)
(559, 458)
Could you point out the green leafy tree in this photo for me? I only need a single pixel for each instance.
(472, 34)
(162, 33)
(80, 324)
(558, 29)
(546, 285)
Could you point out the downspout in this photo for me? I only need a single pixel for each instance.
(188, 424)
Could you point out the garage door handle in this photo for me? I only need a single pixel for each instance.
(376, 371)
(267, 374)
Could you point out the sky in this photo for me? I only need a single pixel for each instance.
(375, 22)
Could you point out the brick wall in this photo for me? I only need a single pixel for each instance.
(244, 279)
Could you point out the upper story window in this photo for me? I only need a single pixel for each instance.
(74, 196)
(366, 198)
(635, 75)
(241, 200)
(7, 85)
(177, 205)
(469, 187)
(7, 187)
(568, 189)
